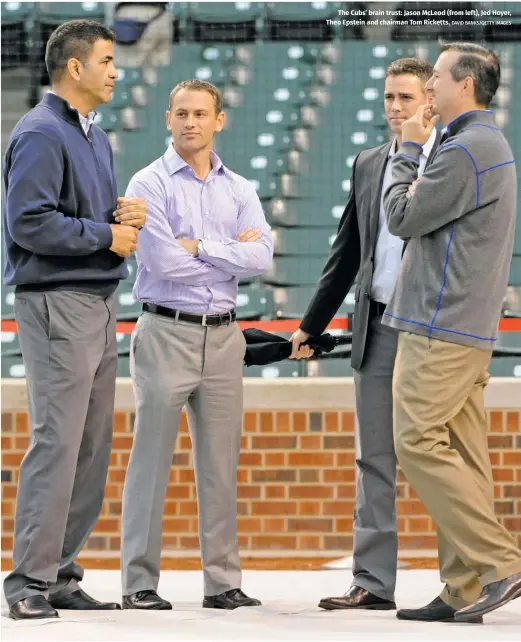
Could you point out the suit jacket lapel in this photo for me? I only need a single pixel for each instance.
(377, 179)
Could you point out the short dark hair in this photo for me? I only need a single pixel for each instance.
(481, 64)
(199, 85)
(73, 39)
(422, 69)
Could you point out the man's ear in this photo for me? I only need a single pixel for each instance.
(73, 67)
(221, 120)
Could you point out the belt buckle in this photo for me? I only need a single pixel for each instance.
(203, 322)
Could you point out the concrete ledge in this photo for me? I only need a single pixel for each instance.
(313, 393)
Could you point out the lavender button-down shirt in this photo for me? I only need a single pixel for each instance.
(216, 210)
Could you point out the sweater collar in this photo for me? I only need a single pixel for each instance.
(61, 107)
(483, 116)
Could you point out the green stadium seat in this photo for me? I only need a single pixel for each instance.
(7, 302)
(290, 270)
(505, 367)
(253, 302)
(58, 12)
(123, 367)
(12, 367)
(303, 241)
(292, 302)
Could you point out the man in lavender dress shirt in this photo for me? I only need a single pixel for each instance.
(205, 230)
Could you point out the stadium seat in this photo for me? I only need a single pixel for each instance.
(58, 12)
(253, 302)
(290, 270)
(300, 21)
(303, 241)
(14, 17)
(224, 21)
(292, 302)
(337, 367)
(7, 302)
(287, 368)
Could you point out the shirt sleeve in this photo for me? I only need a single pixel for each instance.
(447, 190)
(34, 183)
(158, 249)
(243, 259)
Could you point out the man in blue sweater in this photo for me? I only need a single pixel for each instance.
(67, 235)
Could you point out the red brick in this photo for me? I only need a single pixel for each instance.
(344, 442)
(7, 422)
(274, 508)
(309, 508)
(344, 524)
(283, 421)
(274, 542)
(342, 508)
(12, 459)
(115, 543)
(21, 422)
(274, 442)
(504, 508)
(8, 491)
(243, 476)
(184, 442)
(171, 508)
(338, 542)
(266, 422)
(250, 422)
(274, 525)
(513, 422)
(324, 492)
(187, 508)
(178, 492)
(500, 441)
(311, 459)
(250, 459)
(183, 423)
(496, 421)
(7, 443)
(309, 543)
(310, 442)
(276, 475)
(275, 459)
(347, 491)
(7, 508)
(512, 524)
(339, 475)
(503, 474)
(345, 459)
(7, 525)
(331, 422)
(512, 458)
(114, 508)
(418, 525)
(113, 491)
(310, 525)
(120, 422)
(417, 541)
(309, 476)
(512, 491)
(248, 525)
(300, 422)
(176, 525)
(248, 492)
(348, 422)
(186, 476)
(189, 542)
(495, 458)
(411, 507)
(107, 526)
(275, 492)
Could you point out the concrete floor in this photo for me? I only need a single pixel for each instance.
(289, 612)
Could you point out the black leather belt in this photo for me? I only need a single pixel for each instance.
(200, 319)
(377, 308)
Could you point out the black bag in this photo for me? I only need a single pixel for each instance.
(129, 31)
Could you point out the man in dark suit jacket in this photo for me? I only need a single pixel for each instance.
(364, 247)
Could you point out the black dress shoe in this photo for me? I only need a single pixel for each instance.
(80, 601)
(229, 600)
(492, 597)
(146, 600)
(34, 607)
(436, 611)
(356, 598)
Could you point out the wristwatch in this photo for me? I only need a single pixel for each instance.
(199, 247)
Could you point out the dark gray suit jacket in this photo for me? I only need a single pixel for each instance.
(353, 251)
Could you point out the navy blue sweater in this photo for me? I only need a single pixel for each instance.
(60, 194)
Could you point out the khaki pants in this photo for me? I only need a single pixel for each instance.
(440, 433)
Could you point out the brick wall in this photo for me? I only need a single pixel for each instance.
(296, 483)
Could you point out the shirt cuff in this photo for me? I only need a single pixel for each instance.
(104, 236)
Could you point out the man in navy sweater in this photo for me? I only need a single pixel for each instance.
(67, 235)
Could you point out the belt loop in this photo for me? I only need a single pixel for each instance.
(203, 322)
(176, 318)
